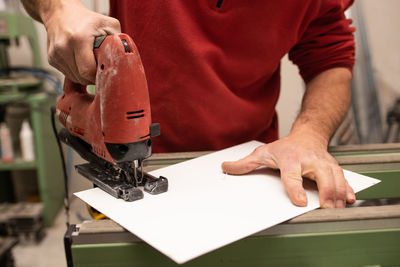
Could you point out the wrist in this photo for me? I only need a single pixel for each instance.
(312, 133)
(55, 9)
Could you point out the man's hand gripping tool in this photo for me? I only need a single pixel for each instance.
(112, 129)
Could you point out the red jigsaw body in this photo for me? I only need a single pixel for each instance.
(119, 112)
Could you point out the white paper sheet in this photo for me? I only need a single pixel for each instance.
(205, 209)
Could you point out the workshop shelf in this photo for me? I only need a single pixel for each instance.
(18, 164)
(47, 163)
(20, 87)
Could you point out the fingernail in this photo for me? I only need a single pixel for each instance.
(328, 204)
(340, 203)
(351, 197)
(302, 198)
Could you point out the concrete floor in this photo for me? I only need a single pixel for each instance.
(49, 252)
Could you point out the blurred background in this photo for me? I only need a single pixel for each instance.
(31, 183)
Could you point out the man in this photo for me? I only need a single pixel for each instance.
(213, 70)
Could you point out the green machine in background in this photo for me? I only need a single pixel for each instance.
(366, 235)
(24, 88)
(13, 26)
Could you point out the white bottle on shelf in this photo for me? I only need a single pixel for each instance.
(26, 140)
(7, 153)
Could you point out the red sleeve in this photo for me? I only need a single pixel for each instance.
(113, 8)
(327, 42)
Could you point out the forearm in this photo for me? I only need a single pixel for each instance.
(325, 103)
(41, 10)
(303, 153)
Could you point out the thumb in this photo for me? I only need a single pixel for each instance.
(244, 165)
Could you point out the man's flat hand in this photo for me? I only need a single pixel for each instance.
(297, 157)
(71, 29)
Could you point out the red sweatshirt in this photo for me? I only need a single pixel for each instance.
(213, 66)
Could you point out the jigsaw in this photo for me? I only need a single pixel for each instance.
(112, 128)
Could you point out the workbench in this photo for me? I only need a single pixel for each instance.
(357, 236)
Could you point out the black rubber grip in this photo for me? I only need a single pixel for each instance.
(98, 41)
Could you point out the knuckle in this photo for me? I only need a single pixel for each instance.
(310, 162)
(260, 152)
(328, 191)
(337, 169)
(291, 178)
(292, 174)
(115, 23)
(85, 72)
(51, 57)
(330, 167)
(259, 149)
(341, 192)
(324, 167)
(59, 46)
(76, 37)
(249, 167)
(321, 161)
(53, 63)
(332, 160)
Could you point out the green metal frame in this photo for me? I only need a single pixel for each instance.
(49, 168)
(47, 162)
(389, 187)
(360, 248)
(386, 171)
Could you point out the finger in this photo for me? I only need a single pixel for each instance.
(340, 187)
(85, 60)
(65, 56)
(323, 175)
(53, 61)
(74, 72)
(112, 26)
(350, 196)
(83, 50)
(293, 183)
(259, 157)
(242, 166)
